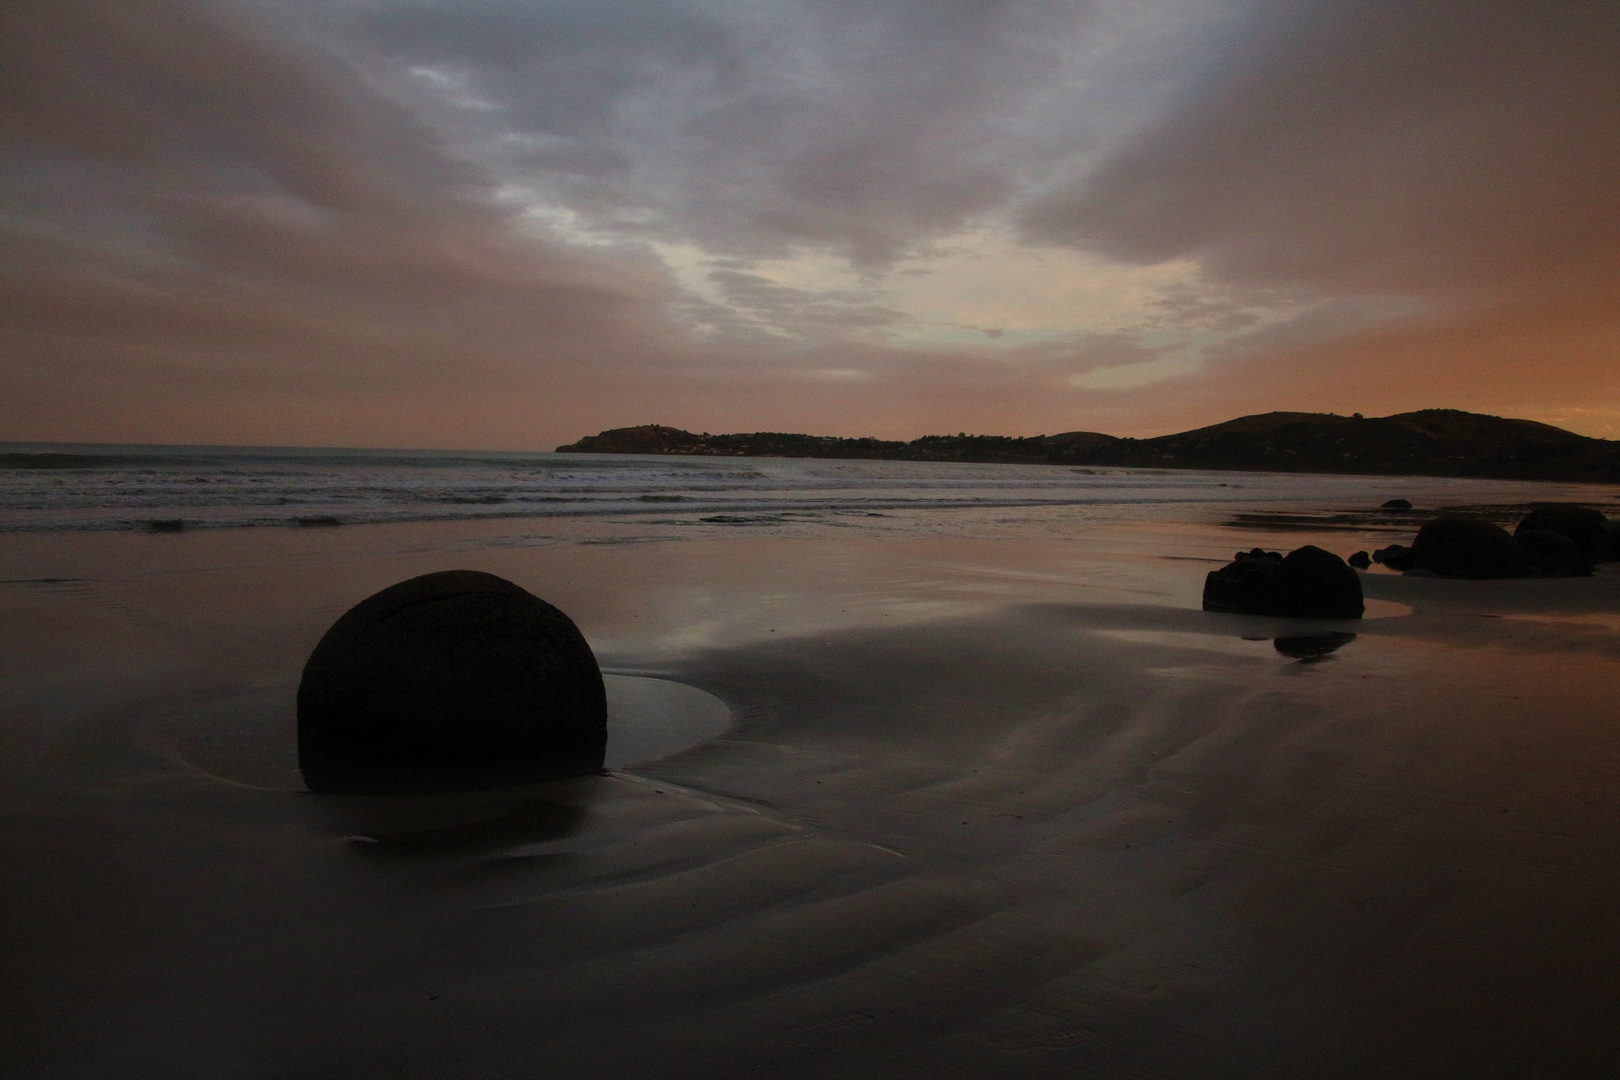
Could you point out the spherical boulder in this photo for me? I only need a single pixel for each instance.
(1582, 524)
(1308, 583)
(1553, 554)
(1457, 545)
(1317, 584)
(449, 681)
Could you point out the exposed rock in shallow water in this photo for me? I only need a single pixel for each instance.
(451, 680)
(1308, 583)
(1360, 560)
(1396, 504)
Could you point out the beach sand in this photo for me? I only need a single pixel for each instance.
(986, 808)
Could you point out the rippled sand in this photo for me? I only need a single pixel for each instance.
(985, 809)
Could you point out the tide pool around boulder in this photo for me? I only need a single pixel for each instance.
(453, 680)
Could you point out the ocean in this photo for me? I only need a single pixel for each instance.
(83, 487)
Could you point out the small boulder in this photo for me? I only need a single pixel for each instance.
(449, 681)
(1553, 554)
(1397, 504)
(1308, 583)
(1457, 545)
(1582, 524)
(1360, 560)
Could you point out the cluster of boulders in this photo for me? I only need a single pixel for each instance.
(1553, 540)
(1307, 583)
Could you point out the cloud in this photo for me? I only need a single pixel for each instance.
(755, 128)
(1443, 177)
(511, 222)
(199, 205)
(1455, 147)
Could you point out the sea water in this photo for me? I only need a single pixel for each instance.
(50, 487)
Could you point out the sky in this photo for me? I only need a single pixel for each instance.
(511, 223)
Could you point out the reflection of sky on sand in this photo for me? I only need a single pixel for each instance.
(654, 718)
(732, 593)
(728, 593)
(1599, 620)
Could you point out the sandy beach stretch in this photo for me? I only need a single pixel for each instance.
(984, 808)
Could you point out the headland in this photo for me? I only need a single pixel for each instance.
(1429, 442)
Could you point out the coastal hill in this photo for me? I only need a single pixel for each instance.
(1431, 442)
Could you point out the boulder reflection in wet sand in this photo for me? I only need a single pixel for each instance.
(1313, 646)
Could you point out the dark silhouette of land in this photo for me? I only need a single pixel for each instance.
(1430, 442)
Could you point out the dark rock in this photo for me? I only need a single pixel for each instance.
(1396, 557)
(1553, 554)
(166, 525)
(449, 681)
(1456, 545)
(317, 522)
(1582, 524)
(1308, 583)
(1360, 560)
(1245, 584)
(1312, 646)
(1318, 584)
(1612, 552)
(1396, 504)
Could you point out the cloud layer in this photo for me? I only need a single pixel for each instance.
(512, 222)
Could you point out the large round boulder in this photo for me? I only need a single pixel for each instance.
(1308, 583)
(1457, 545)
(1582, 524)
(452, 680)
(1553, 554)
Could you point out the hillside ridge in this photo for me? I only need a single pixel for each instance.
(1432, 442)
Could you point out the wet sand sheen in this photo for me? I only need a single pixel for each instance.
(1056, 822)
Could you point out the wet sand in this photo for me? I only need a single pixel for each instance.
(987, 808)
